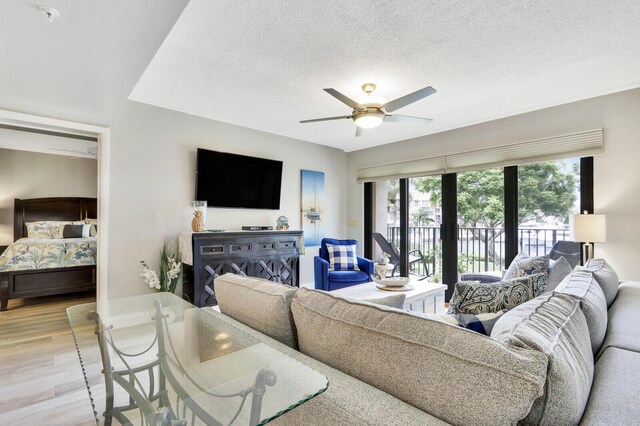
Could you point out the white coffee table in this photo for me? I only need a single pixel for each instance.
(426, 297)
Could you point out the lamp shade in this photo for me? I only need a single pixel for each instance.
(590, 228)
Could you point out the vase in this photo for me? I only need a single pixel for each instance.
(197, 224)
(200, 216)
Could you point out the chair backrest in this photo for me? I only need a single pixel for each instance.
(387, 247)
(570, 250)
(324, 253)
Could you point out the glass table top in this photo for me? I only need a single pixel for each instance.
(156, 360)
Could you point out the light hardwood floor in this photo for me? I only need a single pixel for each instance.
(41, 381)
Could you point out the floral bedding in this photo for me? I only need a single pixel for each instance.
(30, 253)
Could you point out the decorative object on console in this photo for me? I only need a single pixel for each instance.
(589, 228)
(312, 206)
(200, 216)
(170, 270)
(282, 223)
(257, 228)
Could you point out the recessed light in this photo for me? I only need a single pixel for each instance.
(50, 12)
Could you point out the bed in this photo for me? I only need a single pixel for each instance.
(32, 268)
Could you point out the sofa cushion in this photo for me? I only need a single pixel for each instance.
(524, 265)
(558, 271)
(624, 317)
(258, 303)
(347, 401)
(478, 298)
(606, 277)
(554, 325)
(615, 390)
(417, 360)
(348, 276)
(582, 286)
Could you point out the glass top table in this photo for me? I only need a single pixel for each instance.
(158, 360)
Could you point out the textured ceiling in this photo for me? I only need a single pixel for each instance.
(83, 65)
(263, 64)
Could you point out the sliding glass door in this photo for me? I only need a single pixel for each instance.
(480, 220)
(477, 221)
(548, 194)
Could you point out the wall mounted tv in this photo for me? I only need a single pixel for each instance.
(237, 181)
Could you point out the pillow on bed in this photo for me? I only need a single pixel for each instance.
(47, 229)
(76, 231)
(94, 227)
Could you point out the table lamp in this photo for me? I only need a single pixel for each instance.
(588, 229)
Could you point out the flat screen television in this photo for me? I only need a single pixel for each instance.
(237, 181)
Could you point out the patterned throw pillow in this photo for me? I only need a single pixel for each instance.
(94, 227)
(480, 298)
(47, 229)
(342, 257)
(524, 265)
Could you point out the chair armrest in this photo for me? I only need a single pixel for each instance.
(366, 265)
(483, 277)
(321, 273)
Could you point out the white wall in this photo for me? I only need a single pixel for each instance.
(152, 185)
(25, 174)
(617, 171)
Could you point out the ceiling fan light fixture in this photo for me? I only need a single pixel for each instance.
(371, 100)
(369, 120)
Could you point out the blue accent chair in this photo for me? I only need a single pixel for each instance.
(333, 280)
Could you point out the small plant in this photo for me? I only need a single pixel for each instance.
(170, 270)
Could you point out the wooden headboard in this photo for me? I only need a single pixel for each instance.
(57, 208)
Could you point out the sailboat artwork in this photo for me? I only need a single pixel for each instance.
(312, 206)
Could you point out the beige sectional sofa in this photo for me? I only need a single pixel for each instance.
(545, 362)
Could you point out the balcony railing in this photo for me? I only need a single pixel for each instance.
(480, 249)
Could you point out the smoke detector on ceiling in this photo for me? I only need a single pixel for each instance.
(50, 12)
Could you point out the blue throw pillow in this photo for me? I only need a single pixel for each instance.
(343, 257)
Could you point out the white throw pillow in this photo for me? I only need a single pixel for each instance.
(558, 271)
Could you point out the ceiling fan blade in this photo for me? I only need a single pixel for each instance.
(359, 131)
(345, 100)
(396, 118)
(342, 117)
(409, 99)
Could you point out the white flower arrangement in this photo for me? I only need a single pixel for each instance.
(170, 270)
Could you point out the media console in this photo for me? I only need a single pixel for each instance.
(273, 255)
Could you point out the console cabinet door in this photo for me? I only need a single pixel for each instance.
(272, 256)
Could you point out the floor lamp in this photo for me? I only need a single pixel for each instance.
(588, 229)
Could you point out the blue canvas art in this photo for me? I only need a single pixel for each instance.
(312, 206)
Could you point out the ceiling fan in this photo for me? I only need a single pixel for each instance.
(370, 111)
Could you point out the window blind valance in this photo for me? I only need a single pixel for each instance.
(583, 144)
